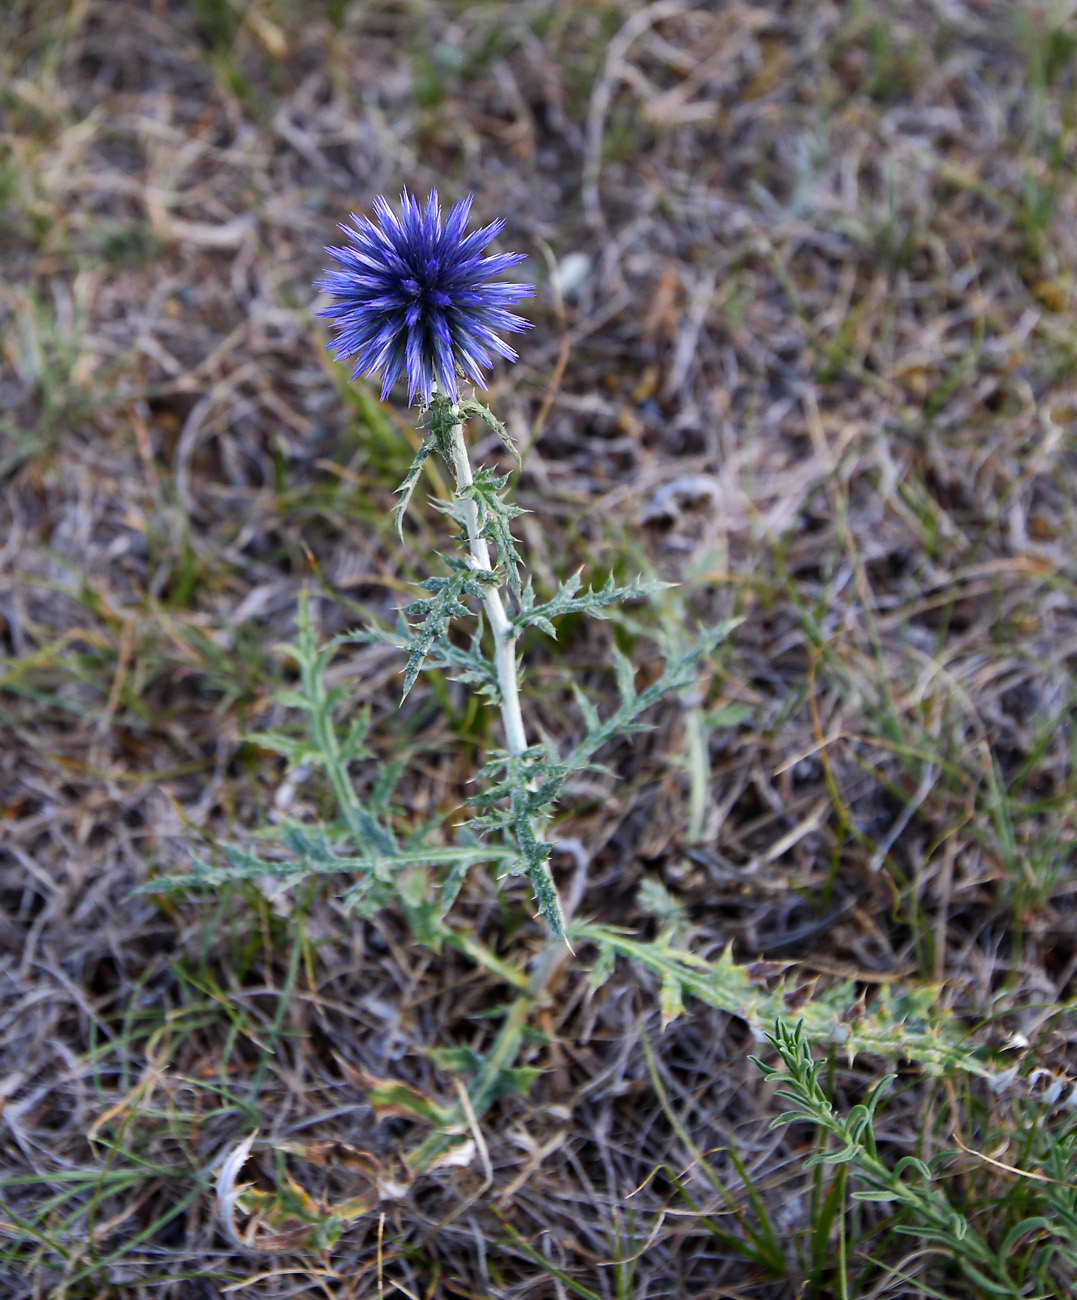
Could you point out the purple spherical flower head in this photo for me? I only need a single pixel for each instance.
(413, 295)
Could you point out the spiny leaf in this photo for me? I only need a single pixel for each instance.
(567, 600)
(426, 448)
(529, 782)
(472, 407)
(548, 777)
(390, 1098)
(441, 420)
(591, 719)
(440, 425)
(535, 866)
(452, 884)
(469, 666)
(602, 968)
(524, 803)
(495, 515)
(385, 784)
(436, 614)
(313, 855)
(935, 1041)
(352, 746)
(290, 699)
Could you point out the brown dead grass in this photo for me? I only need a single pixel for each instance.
(818, 364)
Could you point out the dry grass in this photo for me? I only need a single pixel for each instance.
(814, 357)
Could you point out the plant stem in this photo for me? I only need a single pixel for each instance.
(504, 658)
(504, 640)
(506, 1047)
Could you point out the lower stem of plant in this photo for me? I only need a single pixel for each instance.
(483, 1089)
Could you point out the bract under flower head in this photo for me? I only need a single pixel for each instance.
(412, 294)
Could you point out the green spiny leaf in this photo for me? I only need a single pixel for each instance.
(655, 899)
(407, 488)
(936, 1042)
(495, 515)
(469, 665)
(472, 407)
(591, 719)
(567, 600)
(436, 615)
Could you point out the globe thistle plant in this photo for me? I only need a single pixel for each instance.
(414, 296)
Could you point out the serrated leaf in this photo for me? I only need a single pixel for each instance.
(495, 516)
(352, 746)
(937, 1046)
(545, 894)
(407, 488)
(390, 1097)
(467, 665)
(568, 601)
(472, 407)
(457, 1060)
(727, 715)
(437, 614)
(451, 886)
(388, 776)
(518, 1079)
(334, 695)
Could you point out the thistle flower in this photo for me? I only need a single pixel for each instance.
(413, 295)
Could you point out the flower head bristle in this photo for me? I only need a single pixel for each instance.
(414, 296)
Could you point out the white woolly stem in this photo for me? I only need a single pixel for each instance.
(504, 640)
(505, 663)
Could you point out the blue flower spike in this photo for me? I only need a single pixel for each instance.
(414, 295)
